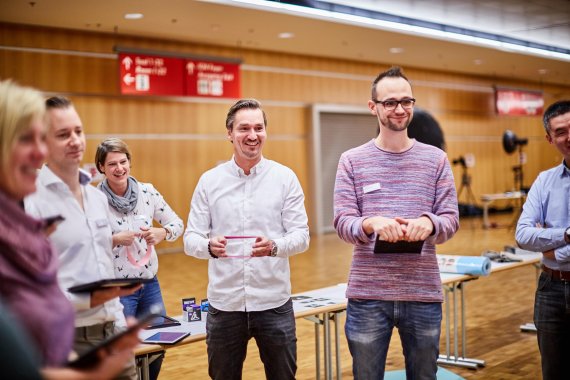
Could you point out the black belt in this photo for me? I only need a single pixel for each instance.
(556, 274)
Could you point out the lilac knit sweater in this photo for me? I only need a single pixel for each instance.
(410, 184)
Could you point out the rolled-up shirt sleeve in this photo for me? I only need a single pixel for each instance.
(544, 218)
(166, 216)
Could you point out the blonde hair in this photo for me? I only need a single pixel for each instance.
(19, 105)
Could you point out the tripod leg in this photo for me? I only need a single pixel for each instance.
(471, 197)
(459, 192)
(517, 213)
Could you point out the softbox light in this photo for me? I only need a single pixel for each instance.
(510, 144)
(511, 141)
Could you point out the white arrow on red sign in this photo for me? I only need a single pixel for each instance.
(190, 68)
(128, 79)
(127, 62)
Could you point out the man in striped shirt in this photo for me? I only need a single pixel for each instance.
(394, 188)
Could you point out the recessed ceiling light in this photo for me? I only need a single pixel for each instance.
(396, 50)
(133, 16)
(286, 35)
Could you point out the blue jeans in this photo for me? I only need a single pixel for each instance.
(552, 321)
(274, 331)
(139, 304)
(368, 328)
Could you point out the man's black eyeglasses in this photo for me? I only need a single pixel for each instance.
(390, 105)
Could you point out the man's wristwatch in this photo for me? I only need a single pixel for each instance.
(567, 235)
(273, 251)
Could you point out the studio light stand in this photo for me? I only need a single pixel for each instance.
(518, 171)
(469, 208)
(466, 185)
(511, 143)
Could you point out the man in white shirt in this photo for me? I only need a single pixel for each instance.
(84, 239)
(248, 216)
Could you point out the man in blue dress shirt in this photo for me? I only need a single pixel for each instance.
(544, 226)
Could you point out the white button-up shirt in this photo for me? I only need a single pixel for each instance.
(83, 241)
(268, 202)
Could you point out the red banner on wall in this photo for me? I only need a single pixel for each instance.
(518, 102)
(151, 75)
(212, 79)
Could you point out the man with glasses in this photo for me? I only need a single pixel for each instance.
(396, 190)
(544, 226)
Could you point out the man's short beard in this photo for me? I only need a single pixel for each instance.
(393, 127)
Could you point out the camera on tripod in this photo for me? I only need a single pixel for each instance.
(469, 206)
(459, 161)
(466, 161)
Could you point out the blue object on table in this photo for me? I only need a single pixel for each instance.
(442, 374)
(472, 265)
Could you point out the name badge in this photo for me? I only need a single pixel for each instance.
(101, 223)
(372, 187)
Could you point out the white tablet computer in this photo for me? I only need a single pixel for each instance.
(166, 337)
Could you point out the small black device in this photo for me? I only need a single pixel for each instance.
(166, 337)
(162, 321)
(52, 220)
(402, 246)
(108, 283)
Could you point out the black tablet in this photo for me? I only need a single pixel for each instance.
(401, 246)
(111, 282)
(162, 321)
(166, 337)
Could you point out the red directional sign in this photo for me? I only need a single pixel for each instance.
(151, 75)
(518, 102)
(212, 79)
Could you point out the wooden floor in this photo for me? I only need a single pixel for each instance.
(496, 306)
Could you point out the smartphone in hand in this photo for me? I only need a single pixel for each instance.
(53, 221)
(91, 358)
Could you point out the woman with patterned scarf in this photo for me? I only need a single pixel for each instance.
(134, 206)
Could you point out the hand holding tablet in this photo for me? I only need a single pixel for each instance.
(108, 283)
(119, 341)
(402, 246)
